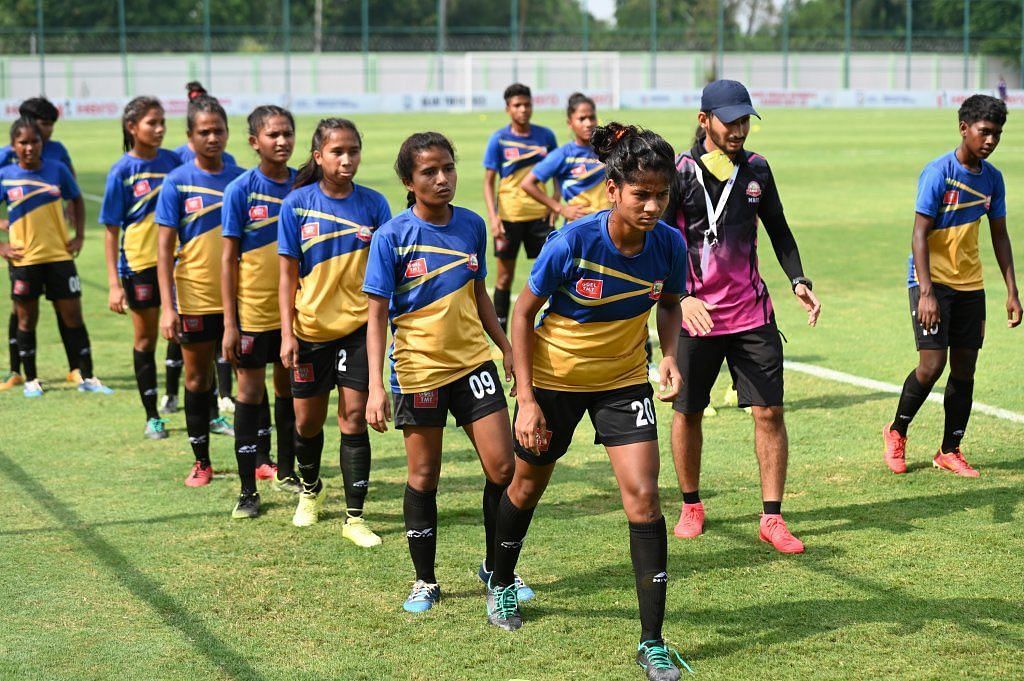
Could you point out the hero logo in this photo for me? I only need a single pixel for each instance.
(543, 441)
(310, 230)
(21, 287)
(473, 263)
(364, 233)
(951, 198)
(511, 153)
(427, 400)
(193, 203)
(303, 373)
(191, 323)
(590, 288)
(416, 268)
(258, 212)
(656, 289)
(15, 193)
(753, 192)
(140, 188)
(246, 343)
(143, 292)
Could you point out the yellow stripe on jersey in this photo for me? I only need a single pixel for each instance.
(515, 205)
(44, 187)
(263, 197)
(324, 314)
(43, 234)
(257, 289)
(954, 257)
(192, 217)
(146, 197)
(197, 275)
(140, 243)
(593, 199)
(431, 340)
(587, 357)
(196, 189)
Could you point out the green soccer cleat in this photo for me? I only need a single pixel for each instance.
(503, 607)
(656, 660)
(357, 532)
(291, 485)
(308, 510)
(156, 430)
(248, 506)
(221, 426)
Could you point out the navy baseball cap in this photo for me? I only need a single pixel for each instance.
(727, 99)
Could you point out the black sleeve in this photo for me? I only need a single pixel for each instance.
(774, 220)
(674, 201)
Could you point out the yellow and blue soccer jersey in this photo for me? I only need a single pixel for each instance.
(581, 174)
(957, 199)
(52, 151)
(512, 156)
(591, 336)
(331, 240)
(186, 155)
(36, 211)
(252, 204)
(129, 202)
(190, 202)
(429, 272)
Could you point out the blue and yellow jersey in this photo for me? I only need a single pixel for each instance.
(591, 336)
(36, 210)
(331, 240)
(429, 272)
(580, 174)
(957, 199)
(186, 155)
(190, 202)
(52, 151)
(512, 156)
(129, 202)
(252, 204)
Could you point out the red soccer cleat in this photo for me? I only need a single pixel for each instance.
(954, 462)
(895, 450)
(199, 476)
(691, 521)
(266, 471)
(775, 532)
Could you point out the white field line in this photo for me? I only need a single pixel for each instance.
(92, 197)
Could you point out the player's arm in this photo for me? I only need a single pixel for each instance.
(78, 222)
(489, 319)
(166, 240)
(535, 189)
(530, 421)
(115, 300)
(8, 252)
(229, 296)
(1004, 257)
(286, 289)
(670, 319)
(788, 255)
(927, 306)
(378, 407)
(491, 201)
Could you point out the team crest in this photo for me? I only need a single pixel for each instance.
(753, 192)
(426, 400)
(511, 153)
(303, 373)
(259, 212)
(364, 233)
(951, 198)
(656, 289)
(193, 204)
(21, 287)
(416, 268)
(15, 193)
(191, 323)
(473, 263)
(590, 288)
(310, 230)
(140, 188)
(143, 292)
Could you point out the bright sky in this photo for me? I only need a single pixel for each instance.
(601, 9)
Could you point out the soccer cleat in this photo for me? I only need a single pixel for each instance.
(503, 607)
(656, 660)
(691, 521)
(266, 471)
(221, 426)
(248, 506)
(168, 404)
(307, 512)
(358, 532)
(12, 379)
(422, 597)
(226, 405)
(155, 429)
(291, 485)
(75, 377)
(710, 411)
(32, 389)
(523, 592)
(93, 385)
(775, 532)
(199, 475)
(955, 463)
(895, 450)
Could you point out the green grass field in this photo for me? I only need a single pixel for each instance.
(112, 568)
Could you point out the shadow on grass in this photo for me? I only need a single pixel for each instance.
(836, 400)
(204, 642)
(110, 523)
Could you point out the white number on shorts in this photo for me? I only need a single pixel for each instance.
(342, 358)
(75, 284)
(482, 384)
(644, 412)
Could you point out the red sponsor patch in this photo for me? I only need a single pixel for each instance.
(473, 263)
(544, 441)
(258, 212)
(511, 153)
(193, 204)
(427, 400)
(656, 289)
(951, 198)
(416, 268)
(590, 288)
(303, 373)
(143, 292)
(140, 188)
(364, 233)
(15, 193)
(21, 287)
(754, 189)
(310, 230)
(246, 343)
(191, 323)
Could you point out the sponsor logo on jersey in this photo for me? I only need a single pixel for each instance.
(140, 188)
(15, 193)
(473, 263)
(425, 400)
(193, 204)
(578, 170)
(259, 212)
(511, 153)
(753, 192)
(303, 373)
(143, 292)
(310, 230)
(951, 198)
(590, 288)
(364, 233)
(656, 289)
(246, 343)
(21, 287)
(416, 268)
(191, 323)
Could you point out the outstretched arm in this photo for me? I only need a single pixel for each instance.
(1004, 256)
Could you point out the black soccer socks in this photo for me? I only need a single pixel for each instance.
(308, 451)
(957, 402)
(27, 353)
(354, 457)
(172, 367)
(913, 396)
(491, 501)
(502, 299)
(197, 423)
(509, 533)
(420, 510)
(145, 379)
(284, 420)
(648, 547)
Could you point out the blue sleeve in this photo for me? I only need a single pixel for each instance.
(229, 160)
(552, 267)
(65, 157)
(288, 232)
(112, 208)
(675, 283)
(550, 166)
(168, 205)
(492, 155)
(930, 187)
(552, 140)
(6, 156)
(380, 267)
(234, 214)
(997, 209)
(481, 249)
(68, 187)
(383, 215)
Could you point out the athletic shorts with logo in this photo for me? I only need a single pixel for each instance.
(201, 328)
(142, 290)
(257, 349)
(622, 416)
(59, 280)
(468, 399)
(339, 363)
(961, 319)
(755, 362)
(531, 234)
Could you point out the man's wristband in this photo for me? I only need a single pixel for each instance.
(796, 281)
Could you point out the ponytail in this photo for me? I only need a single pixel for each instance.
(310, 171)
(629, 152)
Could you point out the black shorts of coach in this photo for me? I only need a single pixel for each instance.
(257, 349)
(531, 234)
(961, 319)
(141, 290)
(340, 363)
(755, 362)
(622, 416)
(201, 328)
(468, 399)
(58, 280)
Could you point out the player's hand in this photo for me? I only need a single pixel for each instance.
(810, 302)
(75, 246)
(671, 380)
(378, 408)
(928, 312)
(696, 317)
(530, 428)
(116, 300)
(1013, 312)
(572, 212)
(11, 253)
(510, 374)
(497, 228)
(229, 344)
(170, 325)
(289, 351)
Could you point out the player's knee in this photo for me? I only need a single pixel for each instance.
(502, 473)
(643, 505)
(929, 369)
(196, 381)
(768, 418)
(526, 493)
(307, 427)
(352, 421)
(423, 476)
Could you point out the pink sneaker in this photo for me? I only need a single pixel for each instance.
(199, 476)
(266, 471)
(895, 450)
(955, 462)
(691, 521)
(775, 532)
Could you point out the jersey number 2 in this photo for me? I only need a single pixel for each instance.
(644, 412)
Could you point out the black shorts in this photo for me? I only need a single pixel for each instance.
(141, 289)
(755, 362)
(961, 319)
(59, 280)
(257, 349)
(338, 363)
(201, 328)
(622, 416)
(531, 234)
(470, 398)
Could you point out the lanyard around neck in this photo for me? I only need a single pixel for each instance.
(715, 212)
